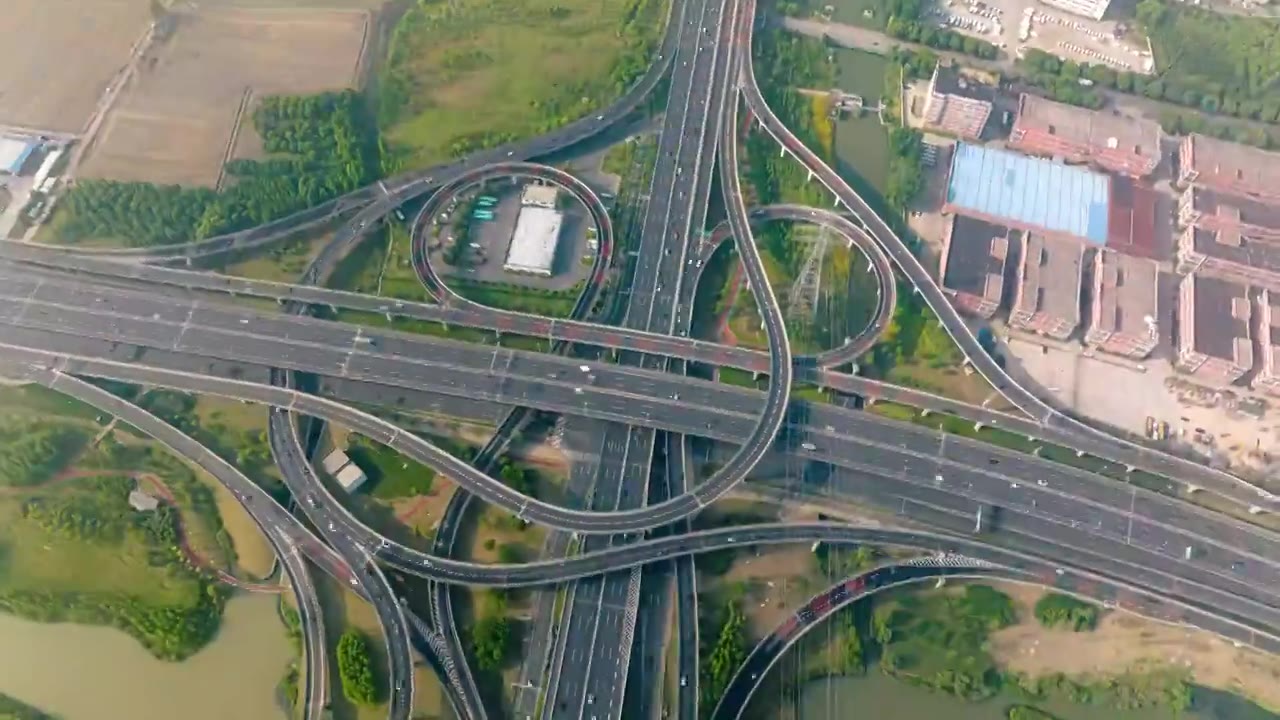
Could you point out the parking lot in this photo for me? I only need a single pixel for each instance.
(1016, 25)
(1213, 424)
(487, 245)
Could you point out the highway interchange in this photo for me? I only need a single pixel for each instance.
(144, 323)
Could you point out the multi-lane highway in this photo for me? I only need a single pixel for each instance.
(1221, 573)
(601, 615)
(1154, 461)
(1129, 519)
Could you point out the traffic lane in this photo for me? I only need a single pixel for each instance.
(1112, 521)
(654, 411)
(1045, 537)
(1015, 468)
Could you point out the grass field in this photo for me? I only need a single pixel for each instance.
(32, 559)
(60, 56)
(282, 263)
(190, 105)
(463, 75)
(381, 265)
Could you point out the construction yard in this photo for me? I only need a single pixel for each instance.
(61, 55)
(189, 108)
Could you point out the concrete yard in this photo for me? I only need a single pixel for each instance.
(60, 56)
(190, 106)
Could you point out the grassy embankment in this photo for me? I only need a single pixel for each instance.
(72, 547)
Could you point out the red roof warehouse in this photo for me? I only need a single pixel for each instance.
(1112, 142)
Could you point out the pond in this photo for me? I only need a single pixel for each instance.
(877, 695)
(81, 672)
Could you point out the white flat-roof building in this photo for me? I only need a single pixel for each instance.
(533, 246)
(351, 477)
(334, 461)
(543, 196)
(347, 473)
(1093, 9)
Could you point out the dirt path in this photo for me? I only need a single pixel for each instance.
(1124, 642)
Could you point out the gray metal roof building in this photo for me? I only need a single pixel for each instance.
(973, 262)
(1123, 315)
(1047, 298)
(1214, 341)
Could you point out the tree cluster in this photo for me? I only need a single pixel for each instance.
(168, 632)
(724, 657)
(355, 668)
(491, 637)
(940, 39)
(906, 171)
(1058, 610)
(34, 453)
(322, 146)
(521, 479)
(1079, 84)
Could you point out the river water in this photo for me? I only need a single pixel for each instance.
(81, 672)
(876, 696)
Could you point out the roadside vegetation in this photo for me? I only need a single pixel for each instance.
(355, 668)
(724, 648)
(14, 709)
(1055, 610)
(321, 146)
(491, 633)
(461, 77)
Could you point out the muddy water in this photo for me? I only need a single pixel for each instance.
(92, 673)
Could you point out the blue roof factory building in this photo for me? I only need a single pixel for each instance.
(1026, 193)
(14, 153)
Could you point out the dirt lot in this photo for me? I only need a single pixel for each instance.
(190, 105)
(59, 56)
(1124, 642)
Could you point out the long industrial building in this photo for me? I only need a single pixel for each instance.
(1268, 376)
(1025, 193)
(1220, 212)
(1215, 345)
(1112, 142)
(974, 254)
(1047, 297)
(1123, 309)
(956, 104)
(1229, 167)
(1092, 9)
(533, 245)
(1230, 253)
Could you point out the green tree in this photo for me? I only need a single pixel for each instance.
(355, 668)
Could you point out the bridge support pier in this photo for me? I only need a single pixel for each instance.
(388, 317)
(977, 427)
(782, 152)
(924, 412)
(810, 176)
(1079, 453)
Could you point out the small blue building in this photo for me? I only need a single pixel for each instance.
(14, 152)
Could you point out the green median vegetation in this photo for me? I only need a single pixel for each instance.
(726, 653)
(491, 634)
(321, 146)
(355, 668)
(461, 77)
(1055, 610)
